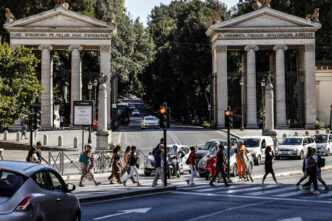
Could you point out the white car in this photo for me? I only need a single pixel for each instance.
(135, 113)
(324, 144)
(256, 146)
(149, 122)
(295, 147)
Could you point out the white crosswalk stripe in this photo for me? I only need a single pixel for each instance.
(275, 190)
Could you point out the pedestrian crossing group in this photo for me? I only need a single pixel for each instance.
(268, 190)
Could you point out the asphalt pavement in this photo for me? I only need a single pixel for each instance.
(245, 201)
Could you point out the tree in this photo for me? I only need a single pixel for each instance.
(19, 85)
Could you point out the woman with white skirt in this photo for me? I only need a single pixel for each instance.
(133, 169)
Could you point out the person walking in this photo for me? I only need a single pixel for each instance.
(24, 131)
(87, 167)
(39, 153)
(133, 169)
(304, 169)
(192, 165)
(116, 165)
(157, 147)
(157, 164)
(32, 156)
(126, 167)
(220, 166)
(319, 173)
(241, 153)
(268, 166)
(312, 171)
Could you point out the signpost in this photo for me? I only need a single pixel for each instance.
(83, 115)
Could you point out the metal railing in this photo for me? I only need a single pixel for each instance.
(61, 161)
(102, 161)
(1, 154)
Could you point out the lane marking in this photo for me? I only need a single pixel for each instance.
(124, 212)
(229, 209)
(234, 188)
(271, 191)
(247, 189)
(298, 192)
(254, 197)
(291, 219)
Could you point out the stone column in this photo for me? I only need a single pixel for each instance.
(76, 85)
(269, 107)
(105, 68)
(310, 86)
(272, 69)
(102, 134)
(46, 120)
(222, 91)
(280, 87)
(244, 87)
(251, 86)
(317, 100)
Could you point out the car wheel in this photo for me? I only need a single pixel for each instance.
(234, 170)
(258, 161)
(77, 217)
(147, 173)
(301, 155)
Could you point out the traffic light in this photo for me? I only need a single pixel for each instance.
(228, 118)
(162, 117)
(37, 120)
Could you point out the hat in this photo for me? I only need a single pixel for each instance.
(216, 142)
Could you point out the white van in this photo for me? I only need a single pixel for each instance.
(256, 146)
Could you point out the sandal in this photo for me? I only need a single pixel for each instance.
(111, 182)
(81, 185)
(97, 183)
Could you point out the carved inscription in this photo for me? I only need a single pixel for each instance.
(31, 35)
(294, 35)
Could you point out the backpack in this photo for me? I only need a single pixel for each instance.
(83, 159)
(321, 161)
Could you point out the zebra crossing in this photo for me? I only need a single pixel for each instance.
(256, 190)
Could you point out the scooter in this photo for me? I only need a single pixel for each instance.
(172, 166)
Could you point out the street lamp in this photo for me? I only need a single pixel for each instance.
(242, 103)
(263, 83)
(90, 85)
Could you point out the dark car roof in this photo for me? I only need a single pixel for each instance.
(24, 168)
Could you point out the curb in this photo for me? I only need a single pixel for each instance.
(127, 193)
(232, 134)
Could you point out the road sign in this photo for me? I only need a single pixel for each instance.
(83, 113)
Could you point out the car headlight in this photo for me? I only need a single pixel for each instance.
(202, 163)
(323, 146)
(295, 150)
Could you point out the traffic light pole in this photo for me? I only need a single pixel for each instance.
(165, 156)
(228, 151)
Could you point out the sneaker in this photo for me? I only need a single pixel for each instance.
(138, 184)
(278, 183)
(97, 184)
(316, 192)
(211, 184)
(262, 184)
(187, 182)
(226, 185)
(193, 184)
(297, 187)
(81, 185)
(326, 190)
(153, 185)
(124, 182)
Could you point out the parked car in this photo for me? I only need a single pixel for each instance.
(149, 160)
(324, 144)
(135, 113)
(295, 147)
(233, 162)
(31, 191)
(150, 122)
(256, 146)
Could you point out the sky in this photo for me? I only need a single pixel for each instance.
(142, 8)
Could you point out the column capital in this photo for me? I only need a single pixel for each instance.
(48, 47)
(221, 48)
(248, 47)
(73, 47)
(309, 47)
(280, 47)
(105, 48)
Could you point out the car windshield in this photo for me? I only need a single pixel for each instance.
(292, 141)
(150, 118)
(9, 183)
(250, 142)
(208, 144)
(321, 138)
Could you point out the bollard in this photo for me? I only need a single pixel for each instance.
(18, 136)
(284, 136)
(296, 134)
(328, 131)
(76, 142)
(60, 141)
(317, 131)
(5, 135)
(45, 139)
(306, 133)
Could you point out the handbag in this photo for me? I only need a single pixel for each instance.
(84, 159)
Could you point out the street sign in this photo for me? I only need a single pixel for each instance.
(83, 113)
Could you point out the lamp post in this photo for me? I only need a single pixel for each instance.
(242, 104)
(90, 85)
(263, 83)
(95, 84)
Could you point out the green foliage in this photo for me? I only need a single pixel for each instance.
(180, 72)
(319, 125)
(19, 85)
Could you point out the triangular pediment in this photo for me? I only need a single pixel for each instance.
(264, 18)
(58, 18)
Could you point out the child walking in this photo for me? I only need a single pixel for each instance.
(268, 165)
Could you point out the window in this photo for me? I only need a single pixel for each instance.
(251, 142)
(184, 149)
(57, 184)
(9, 183)
(42, 180)
(293, 141)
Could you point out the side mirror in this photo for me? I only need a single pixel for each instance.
(71, 187)
(200, 148)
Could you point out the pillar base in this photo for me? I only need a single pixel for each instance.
(309, 126)
(102, 140)
(270, 133)
(282, 126)
(252, 126)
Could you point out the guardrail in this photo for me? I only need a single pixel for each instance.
(62, 161)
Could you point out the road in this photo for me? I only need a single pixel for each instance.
(145, 140)
(246, 201)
